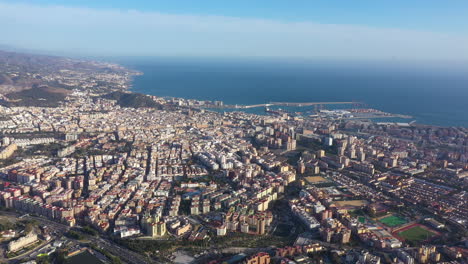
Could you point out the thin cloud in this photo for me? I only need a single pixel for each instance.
(129, 32)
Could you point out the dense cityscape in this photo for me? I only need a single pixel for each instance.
(92, 172)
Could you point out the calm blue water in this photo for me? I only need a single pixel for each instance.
(433, 94)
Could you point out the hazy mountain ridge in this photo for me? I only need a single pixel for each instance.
(43, 80)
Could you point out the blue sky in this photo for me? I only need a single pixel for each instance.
(368, 29)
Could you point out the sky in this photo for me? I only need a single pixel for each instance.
(357, 29)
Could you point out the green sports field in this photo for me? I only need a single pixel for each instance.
(416, 233)
(392, 221)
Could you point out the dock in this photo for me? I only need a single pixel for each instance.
(285, 104)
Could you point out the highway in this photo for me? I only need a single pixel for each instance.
(124, 254)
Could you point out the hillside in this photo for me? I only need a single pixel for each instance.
(5, 80)
(135, 100)
(19, 71)
(42, 96)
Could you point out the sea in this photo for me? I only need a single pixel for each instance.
(433, 93)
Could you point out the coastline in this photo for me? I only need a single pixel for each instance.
(397, 118)
(190, 80)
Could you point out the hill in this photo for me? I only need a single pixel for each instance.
(42, 96)
(5, 80)
(135, 100)
(19, 71)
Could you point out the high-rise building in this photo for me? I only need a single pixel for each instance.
(344, 235)
(405, 257)
(6, 152)
(194, 209)
(221, 230)
(428, 254)
(301, 166)
(361, 156)
(320, 153)
(315, 169)
(344, 160)
(326, 214)
(152, 226)
(244, 227)
(341, 150)
(328, 141)
(6, 141)
(326, 234)
(261, 226)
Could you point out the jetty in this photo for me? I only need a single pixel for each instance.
(285, 104)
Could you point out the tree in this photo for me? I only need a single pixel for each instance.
(90, 231)
(60, 256)
(43, 259)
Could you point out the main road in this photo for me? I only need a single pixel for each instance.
(100, 240)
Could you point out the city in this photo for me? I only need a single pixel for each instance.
(104, 175)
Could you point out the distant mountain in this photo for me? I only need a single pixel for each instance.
(21, 71)
(135, 100)
(8, 48)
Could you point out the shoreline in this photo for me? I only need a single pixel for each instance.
(240, 107)
(243, 107)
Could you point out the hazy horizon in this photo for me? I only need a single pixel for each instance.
(106, 30)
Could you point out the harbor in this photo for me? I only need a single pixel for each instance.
(294, 104)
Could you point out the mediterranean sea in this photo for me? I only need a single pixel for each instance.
(432, 93)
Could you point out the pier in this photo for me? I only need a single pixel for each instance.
(285, 104)
(310, 103)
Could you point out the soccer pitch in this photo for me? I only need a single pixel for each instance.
(416, 233)
(392, 221)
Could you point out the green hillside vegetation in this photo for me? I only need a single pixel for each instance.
(41, 96)
(4, 79)
(135, 100)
